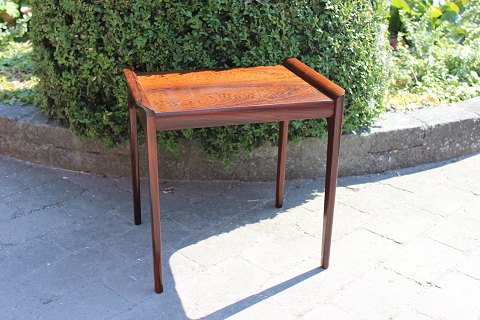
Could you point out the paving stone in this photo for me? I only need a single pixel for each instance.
(262, 220)
(264, 191)
(441, 200)
(329, 311)
(72, 250)
(10, 166)
(46, 195)
(375, 295)
(456, 297)
(264, 309)
(9, 186)
(68, 274)
(125, 183)
(133, 244)
(17, 301)
(174, 202)
(473, 206)
(298, 218)
(361, 251)
(364, 181)
(136, 241)
(409, 312)
(93, 204)
(133, 281)
(34, 225)
(313, 201)
(91, 181)
(181, 267)
(346, 220)
(39, 175)
(470, 265)
(210, 213)
(167, 306)
(250, 191)
(20, 260)
(270, 220)
(424, 260)
(305, 286)
(97, 302)
(89, 232)
(375, 199)
(220, 286)
(195, 191)
(402, 223)
(463, 175)
(282, 250)
(417, 181)
(9, 211)
(309, 196)
(214, 249)
(458, 230)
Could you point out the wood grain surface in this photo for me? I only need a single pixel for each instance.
(210, 90)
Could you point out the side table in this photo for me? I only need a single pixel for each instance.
(194, 99)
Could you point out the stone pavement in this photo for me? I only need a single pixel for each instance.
(406, 246)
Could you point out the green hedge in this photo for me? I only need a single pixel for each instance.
(81, 46)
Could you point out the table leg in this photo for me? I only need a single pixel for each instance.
(281, 162)
(151, 137)
(333, 149)
(132, 117)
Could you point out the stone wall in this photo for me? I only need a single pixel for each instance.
(397, 140)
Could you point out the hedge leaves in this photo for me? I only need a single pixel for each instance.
(81, 46)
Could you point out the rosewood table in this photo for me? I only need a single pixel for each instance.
(193, 99)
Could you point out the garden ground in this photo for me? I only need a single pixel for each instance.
(406, 246)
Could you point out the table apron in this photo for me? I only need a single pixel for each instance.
(215, 119)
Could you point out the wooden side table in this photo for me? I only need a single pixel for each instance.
(179, 100)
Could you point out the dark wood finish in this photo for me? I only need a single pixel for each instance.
(314, 78)
(135, 88)
(244, 116)
(132, 117)
(151, 137)
(226, 97)
(333, 150)
(211, 90)
(178, 100)
(281, 162)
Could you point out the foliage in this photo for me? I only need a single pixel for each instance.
(13, 22)
(10, 8)
(441, 64)
(435, 11)
(17, 84)
(81, 46)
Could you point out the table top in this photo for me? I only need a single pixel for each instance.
(169, 93)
